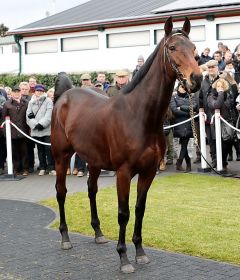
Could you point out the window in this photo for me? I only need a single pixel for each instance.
(15, 49)
(128, 39)
(197, 34)
(79, 43)
(227, 31)
(43, 46)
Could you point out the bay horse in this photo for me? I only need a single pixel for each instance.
(123, 133)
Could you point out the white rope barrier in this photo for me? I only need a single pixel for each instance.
(201, 115)
(29, 137)
(227, 123)
(176, 124)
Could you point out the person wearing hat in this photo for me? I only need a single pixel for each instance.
(86, 80)
(98, 85)
(16, 108)
(205, 90)
(39, 113)
(140, 62)
(122, 78)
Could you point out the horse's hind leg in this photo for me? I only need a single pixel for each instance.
(92, 192)
(144, 182)
(61, 165)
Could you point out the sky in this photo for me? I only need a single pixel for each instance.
(16, 13)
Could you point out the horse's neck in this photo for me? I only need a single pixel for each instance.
(152, 95)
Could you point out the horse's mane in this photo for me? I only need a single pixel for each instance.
(141, 72)
(62, 84)
(144, 69)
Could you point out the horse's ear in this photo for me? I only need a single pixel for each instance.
(168, 26)
(187, 26)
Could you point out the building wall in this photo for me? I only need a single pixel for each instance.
(8, 59)
(111, 59)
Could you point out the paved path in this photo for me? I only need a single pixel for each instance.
(30, 250)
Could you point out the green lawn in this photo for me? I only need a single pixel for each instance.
(194, 214)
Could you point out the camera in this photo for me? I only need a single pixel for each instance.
(31, 115)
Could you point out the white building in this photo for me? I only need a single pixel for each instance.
(109, 35)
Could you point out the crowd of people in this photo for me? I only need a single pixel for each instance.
(30, 106)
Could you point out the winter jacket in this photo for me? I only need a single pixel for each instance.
(181, 100)
(205, 90)
(224, 101)
(2, 101)
(42, 110)
(204, 59)
(17, 113)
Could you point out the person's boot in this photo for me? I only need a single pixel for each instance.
(230, 156)
(162, 165)
(197, 160)
(189, 167)
(179, 165)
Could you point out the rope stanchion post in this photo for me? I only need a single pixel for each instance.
(9, 145)
(218, 140)
(10, 176)
(204, 168)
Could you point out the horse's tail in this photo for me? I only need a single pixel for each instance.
(62, 84)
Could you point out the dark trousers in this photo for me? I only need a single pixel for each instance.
(46, 161)
(19, 153)
(184, 151)
(79, 164)
(31, 146)
(3, 151)
(226, 148)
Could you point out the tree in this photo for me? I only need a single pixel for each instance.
(3, 30)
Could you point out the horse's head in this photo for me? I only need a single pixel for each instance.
(179, 53)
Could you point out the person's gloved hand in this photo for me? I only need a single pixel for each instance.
(39, 127)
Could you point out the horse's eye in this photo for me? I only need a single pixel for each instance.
(172, 48)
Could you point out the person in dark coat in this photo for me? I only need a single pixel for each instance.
(16, 108)
(3, 152)
(140, 62)
(204, 58)
(180, 108)
(220, 98)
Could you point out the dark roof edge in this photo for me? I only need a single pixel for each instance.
(113, 23)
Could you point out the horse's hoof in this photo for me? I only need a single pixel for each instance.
(142, 259)
(127, 268)
(101, 240)
(66, 245)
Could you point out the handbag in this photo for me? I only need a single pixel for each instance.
(227, 132)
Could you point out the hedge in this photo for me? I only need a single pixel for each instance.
(46, 79)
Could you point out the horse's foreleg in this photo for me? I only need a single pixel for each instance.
(92, 192)
(61, 169)
(144, 182)
(123, 186)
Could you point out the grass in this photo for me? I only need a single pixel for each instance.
(193, 214)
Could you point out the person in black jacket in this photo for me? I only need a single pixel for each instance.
(180, 108)
(204, 58)
(220, 98)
